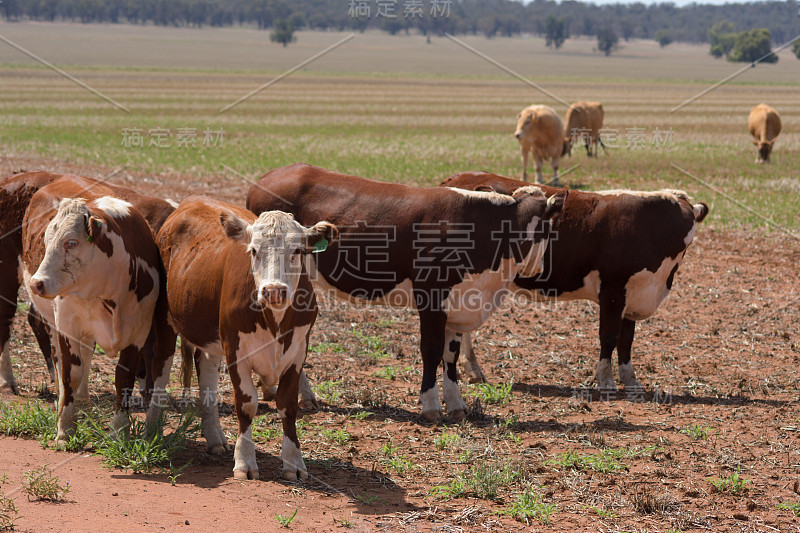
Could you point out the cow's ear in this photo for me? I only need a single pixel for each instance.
(94, 227)
(755, 142)
(235, 228)
(319, 236)
(771, 142)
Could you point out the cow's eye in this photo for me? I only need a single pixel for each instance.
(298, 251)
(72, 243)
(254, 253)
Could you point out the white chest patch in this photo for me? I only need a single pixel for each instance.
(645, 290)
(262, 353)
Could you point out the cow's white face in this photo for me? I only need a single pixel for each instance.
(66, 266)
(277, 243)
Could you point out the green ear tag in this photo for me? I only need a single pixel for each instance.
(89, 238)
(321, 246)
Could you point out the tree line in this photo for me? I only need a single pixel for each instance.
(664, 22)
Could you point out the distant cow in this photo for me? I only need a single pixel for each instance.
(584, 122)
(237, 287)
(15, 195)
(620, 249)
(764, 124)
(449, 253)
(91, 267)
(541, 133)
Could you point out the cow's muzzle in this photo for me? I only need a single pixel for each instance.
(518, 135)
(36, 287)
(273, 294)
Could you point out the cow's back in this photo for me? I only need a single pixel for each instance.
(586, 116)
(764, 123)
(195, 252)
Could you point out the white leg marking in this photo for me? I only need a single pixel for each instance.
(207, 381)
(7, 381)
(244, 455)
(456, 407)
(307, 398)
(431, 406)
(293, 465)
(605, 376)
(628, 377)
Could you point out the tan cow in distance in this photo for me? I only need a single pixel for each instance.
(584, 122)
(540, 132)
(764, 125)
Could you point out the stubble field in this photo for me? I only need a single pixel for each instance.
(719, 360)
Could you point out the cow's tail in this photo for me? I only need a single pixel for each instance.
(700, 211)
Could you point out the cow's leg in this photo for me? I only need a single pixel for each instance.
(554, 163)
(432, 334)
(42, 334)
(245, 398)
(9, 286)
(86, 353)
(74, 356)
(160, 349)
(537, 166)
(207, 383)
(472, 369)
(524, 158)
(307, 398)
(612, 304)
(456, 408)
(124, 380)
(626, 373)
(600, 140)
(286, 403)
(588, 147)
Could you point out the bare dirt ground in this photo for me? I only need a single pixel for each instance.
(722, 352)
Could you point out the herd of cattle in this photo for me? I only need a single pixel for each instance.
(104, 265)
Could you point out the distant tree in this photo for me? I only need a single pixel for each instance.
(663, 37)
(282, 33)
(722, 38)
(626, 26)
(606, 40)
(752, 45)
(796, 48)
(554, 32)
(298, 20)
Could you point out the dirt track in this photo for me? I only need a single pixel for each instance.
(723, 352)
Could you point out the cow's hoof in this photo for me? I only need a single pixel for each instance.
(476, 378)
(292, 475)
(218, 449)
(308, 405)
(457, 415)
(432, 416)
(9, 388)
(245, 474)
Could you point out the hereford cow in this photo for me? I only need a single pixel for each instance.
(764, 124)
(237, 287)
(449, 253)
(541, 133)
(91, 267)
(15, 194)
(620, 249)
(583, 122)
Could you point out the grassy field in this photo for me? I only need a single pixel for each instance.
(393, 108)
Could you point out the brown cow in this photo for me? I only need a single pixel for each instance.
(620, 249)
(92, 269)
(15, 194)
(541, 133)
(764, 124)
(237, 287)
(449, 253)
(583, 122)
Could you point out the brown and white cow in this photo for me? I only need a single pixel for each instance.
(91, 267)
(540, 133)
(237, 287)
(584, 121)
(764, 124)
(620, 249)
(449, 253)
(15, 194)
